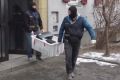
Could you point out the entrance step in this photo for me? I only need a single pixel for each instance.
(15, 62)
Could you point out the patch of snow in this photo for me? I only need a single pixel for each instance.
(100, 63)
(93, 54)
(105, 64)
(79, 60)
(115, 57)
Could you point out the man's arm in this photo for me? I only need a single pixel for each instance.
(61, 32)
(89, 28)
(27, 21)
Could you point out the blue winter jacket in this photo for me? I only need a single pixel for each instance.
(85, 24)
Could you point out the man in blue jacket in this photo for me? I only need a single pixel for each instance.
(71, 32)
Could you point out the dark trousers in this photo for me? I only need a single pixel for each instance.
(71, 54)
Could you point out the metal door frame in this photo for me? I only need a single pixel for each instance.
(4, 37)
(4, 30)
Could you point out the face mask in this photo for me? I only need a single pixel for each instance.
(73, 12)
(72, 16)
(33, 9)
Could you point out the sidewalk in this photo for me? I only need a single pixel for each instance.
(54, 69)
(15, 62)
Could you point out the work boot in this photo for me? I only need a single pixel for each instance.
(73, 75)
(38, 55)
(69, 77)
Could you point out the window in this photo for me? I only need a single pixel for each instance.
(55, 17)
(55, 28)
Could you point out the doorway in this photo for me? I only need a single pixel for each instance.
(7, 31)
(16, 10)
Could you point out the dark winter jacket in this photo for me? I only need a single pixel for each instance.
(83, 24)
(32, 19)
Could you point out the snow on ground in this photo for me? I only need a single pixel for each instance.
(81, 60)
(115, 57)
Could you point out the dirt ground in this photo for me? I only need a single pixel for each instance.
(54, 69)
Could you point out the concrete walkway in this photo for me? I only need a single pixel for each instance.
(54, 69)
(15, 62)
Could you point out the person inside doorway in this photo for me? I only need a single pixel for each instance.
(33, 25)
(72, 28)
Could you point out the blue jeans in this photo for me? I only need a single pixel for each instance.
(28, 43)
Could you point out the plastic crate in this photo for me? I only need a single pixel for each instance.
(46, 49)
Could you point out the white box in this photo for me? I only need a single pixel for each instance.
(47, 50)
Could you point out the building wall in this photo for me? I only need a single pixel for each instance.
(87, 11)
(60, 7)
(43, 10)
(55, 7)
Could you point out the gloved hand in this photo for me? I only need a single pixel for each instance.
(42, 30)
(93, 41)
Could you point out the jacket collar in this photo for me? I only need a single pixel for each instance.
(70, 19)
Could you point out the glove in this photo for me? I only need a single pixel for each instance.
(42, 30)
(93, 41)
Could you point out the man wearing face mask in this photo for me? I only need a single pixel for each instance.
(33, 24)
(73, 28)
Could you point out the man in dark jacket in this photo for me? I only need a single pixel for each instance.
(33, 25)
(72, 28)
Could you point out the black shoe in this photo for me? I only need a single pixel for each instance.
(38, 57)
(73, 75)
(69, 77)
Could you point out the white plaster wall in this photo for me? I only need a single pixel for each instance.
(58, 5)
(87, 11)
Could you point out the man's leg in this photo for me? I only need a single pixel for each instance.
(28, 46)
(68, 57)
(75, 52)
